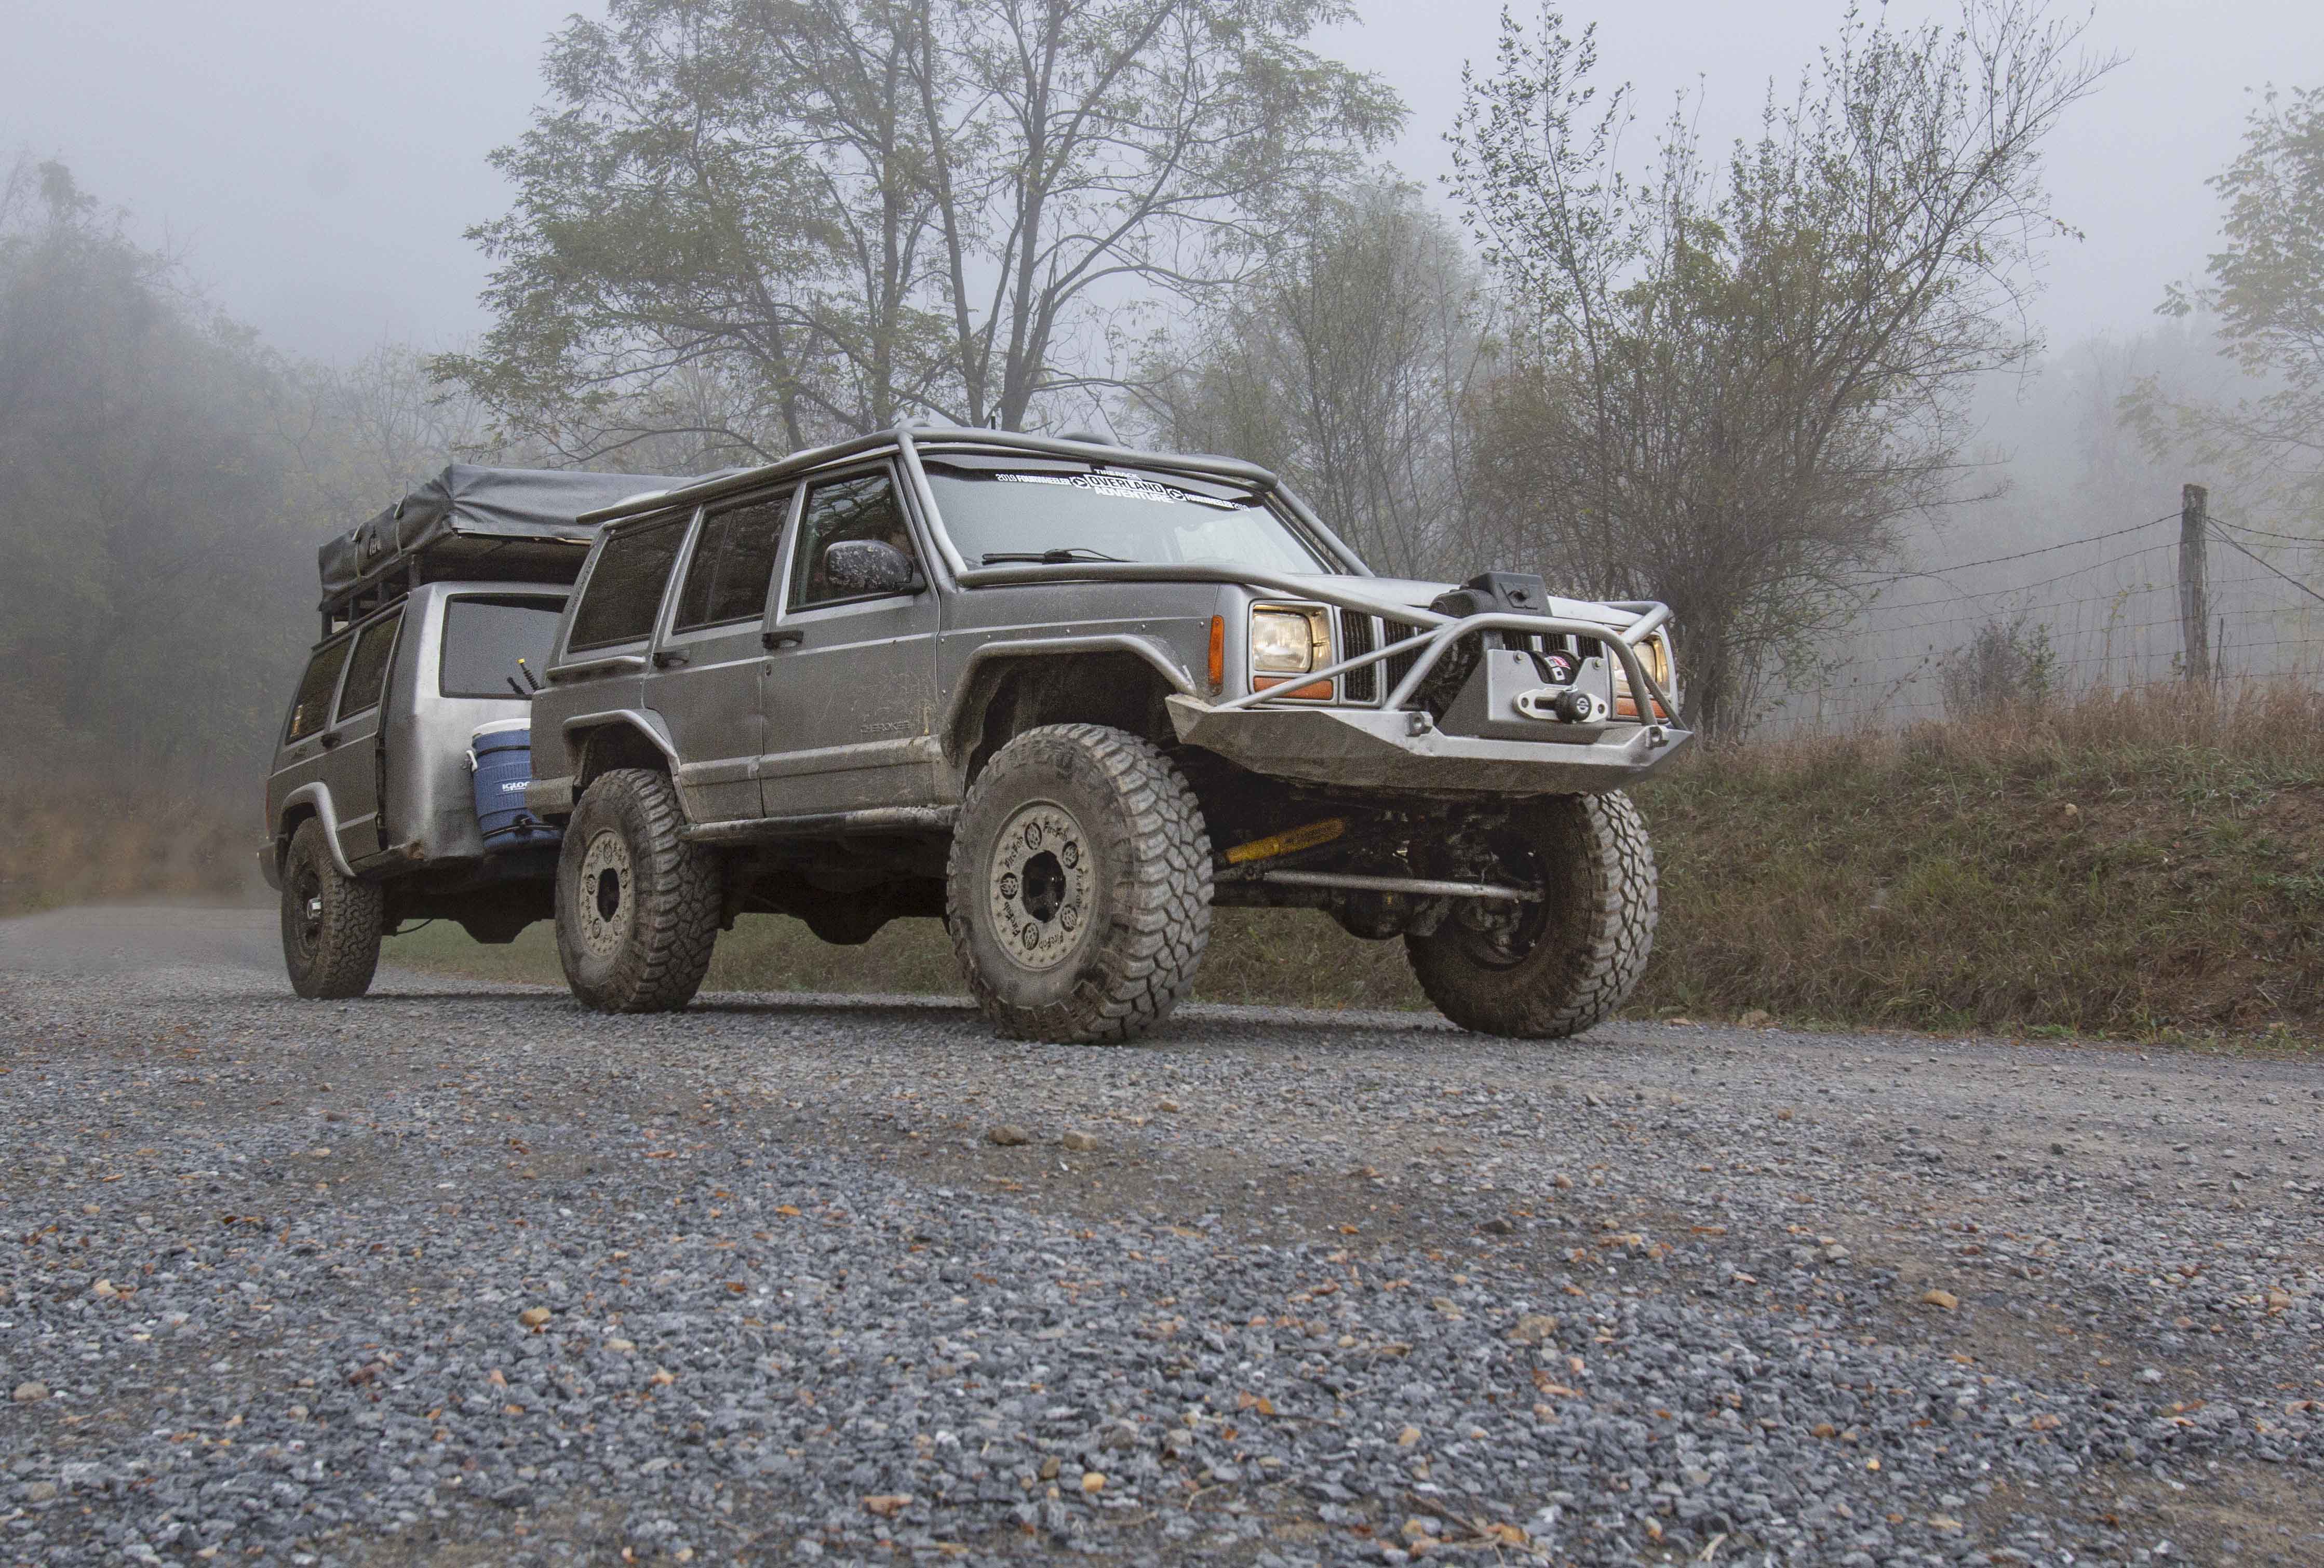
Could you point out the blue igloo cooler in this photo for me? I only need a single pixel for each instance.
(500, 757)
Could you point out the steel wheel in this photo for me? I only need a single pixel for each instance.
(331, 922)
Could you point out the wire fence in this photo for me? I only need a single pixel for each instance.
(2103, 613)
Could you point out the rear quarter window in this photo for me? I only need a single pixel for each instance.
(367, 670)
(623, 594)
(310, 708)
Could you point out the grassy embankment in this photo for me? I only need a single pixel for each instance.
(2134, 865)
(83, 840)
(2127, 865)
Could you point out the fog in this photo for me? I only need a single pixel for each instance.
(316, 163)
(218, 331)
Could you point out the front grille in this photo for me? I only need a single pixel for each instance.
(1399, 665)
(1356, 637)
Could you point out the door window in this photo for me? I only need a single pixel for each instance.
(367, 670)
(626, 586)
(312, 705)
(734, 562)
(864, 507)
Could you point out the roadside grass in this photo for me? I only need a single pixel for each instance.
(2140, 866)
(2136, 865)
(82, 839)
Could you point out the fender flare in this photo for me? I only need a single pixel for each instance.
(644, 721)
(1155, 652)
(317, 795)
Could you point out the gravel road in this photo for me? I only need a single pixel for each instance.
(464, 1274)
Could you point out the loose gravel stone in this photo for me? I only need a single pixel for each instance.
(710, 1286)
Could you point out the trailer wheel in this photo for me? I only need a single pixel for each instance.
(637, 906)
(1552, 968)
(331, 922)
(1078, 890)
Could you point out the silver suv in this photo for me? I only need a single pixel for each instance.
(1069, 697)
(435, 614)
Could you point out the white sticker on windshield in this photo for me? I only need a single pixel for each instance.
(1121, 484)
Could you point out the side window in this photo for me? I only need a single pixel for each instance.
(864, 507)
(626, 586)
(312, 705)
(367, 670)
(734, 562)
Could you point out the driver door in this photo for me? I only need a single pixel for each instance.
(851, 688)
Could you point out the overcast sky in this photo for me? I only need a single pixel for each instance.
(316, 163)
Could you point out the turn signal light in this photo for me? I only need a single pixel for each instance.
(1218, 654)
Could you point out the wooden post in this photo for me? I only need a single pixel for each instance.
(2194, 600)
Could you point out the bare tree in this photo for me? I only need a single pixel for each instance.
(1348, 365)
(850, 210)
(1730, 386)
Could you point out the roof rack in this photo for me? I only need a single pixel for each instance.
(472, 524)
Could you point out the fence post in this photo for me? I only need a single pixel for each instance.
(2194, 600)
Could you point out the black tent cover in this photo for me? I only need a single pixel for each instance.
(484, 522)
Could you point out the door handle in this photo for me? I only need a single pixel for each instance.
(666, 659)
(770, 641)
(331, 738)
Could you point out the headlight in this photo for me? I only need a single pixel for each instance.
(1654, 653)
(1289, 641)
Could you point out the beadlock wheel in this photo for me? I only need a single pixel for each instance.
(1078, 891)
(605, 907)
(637, 904)
(1037, 884)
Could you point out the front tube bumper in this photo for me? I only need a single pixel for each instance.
(1384, 749)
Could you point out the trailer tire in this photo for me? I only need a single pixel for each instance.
(1567, 962)
(331, 922)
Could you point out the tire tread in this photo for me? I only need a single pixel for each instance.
(1135, 985)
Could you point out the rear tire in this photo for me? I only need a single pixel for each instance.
(331, 922)
(637, 904)
(1078, 890)
(1567, 962)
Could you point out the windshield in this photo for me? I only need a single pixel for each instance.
(1029, 513)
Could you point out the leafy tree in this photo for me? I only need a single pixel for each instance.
(156, 595)
(2264, 298)
(1730, 386)
(760, 223)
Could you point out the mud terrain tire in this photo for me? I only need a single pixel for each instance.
(331, 922)
(1078, 891)
(637, 906)
(1580, 952)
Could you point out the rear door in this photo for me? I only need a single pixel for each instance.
(354, 764)
(611, 626)
(302, 760)
(851, 693)
(708, 674)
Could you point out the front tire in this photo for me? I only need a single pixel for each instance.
(637, 904)
(1078, 890)
(331, 922)
(1553, 968)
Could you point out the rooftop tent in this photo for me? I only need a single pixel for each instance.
(469, 522)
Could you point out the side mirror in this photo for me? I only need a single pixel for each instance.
(870, 566)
